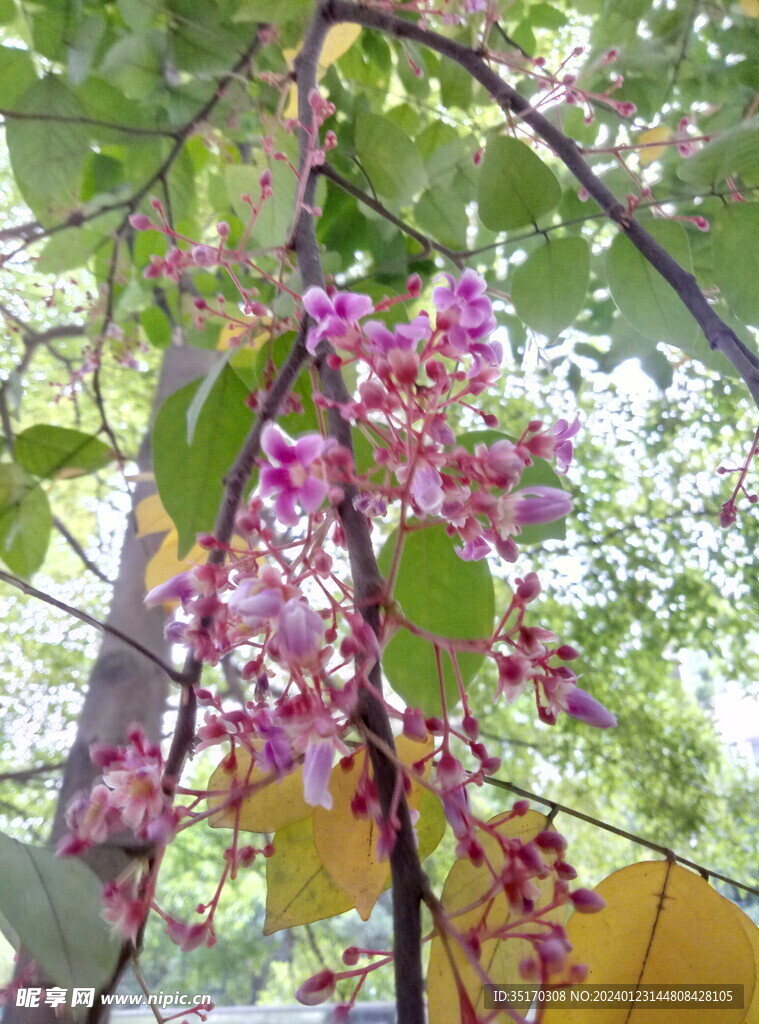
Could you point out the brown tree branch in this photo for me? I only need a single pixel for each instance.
(104, 627)
(633, 838)
(409, 881)
(715, 330)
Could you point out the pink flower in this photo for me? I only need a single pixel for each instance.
(465, 313)
(300, 633)
(294, 478)
(555, 443)
(123, 908)
(336, 318)
(188, 936)
(403, 336)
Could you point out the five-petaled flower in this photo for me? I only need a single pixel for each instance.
(294, 474)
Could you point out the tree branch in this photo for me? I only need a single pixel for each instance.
(77, 548)
(428, 244)
(716, 331)
(409, 881)
(556, 807)
(30, 591)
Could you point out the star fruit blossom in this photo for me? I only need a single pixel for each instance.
(293, 473)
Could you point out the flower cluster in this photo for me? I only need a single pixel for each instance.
(129, 797)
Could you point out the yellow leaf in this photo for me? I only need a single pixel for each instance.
(338, 41)
(750, 8)
(298, 887)
(659, 134)
(499, 959)
(233, 335)
(347, 846)
(662, 925)
(166, 563)
(752, 933)
(151, 516)
(273, 807)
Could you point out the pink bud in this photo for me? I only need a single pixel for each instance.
(414, 286)
(414, 725)
(528, 588)
(317, 989)
(140, 222)
(586, 901)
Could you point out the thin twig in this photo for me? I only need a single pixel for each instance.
(25, 774)
(104, 627)
(77, 548)
(633, 838)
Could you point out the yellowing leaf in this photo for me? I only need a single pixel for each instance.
(166, 562)
(338, 41)
(467, 884)
(151, 516)
(298, 887)
(347, 846)
(270, 808)
(662, 925)
(750, 8)
(752, 933)
(658, 134)
(232, 335)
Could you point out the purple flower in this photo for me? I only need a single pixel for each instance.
(317, 767)
(179, 588)
(584, 708)
(563, 431)
(300, 632)
(256, 607)
(541, 504)
(465, 313)
(293, 479)
(336, 318)
(529, 505)
(405, 336)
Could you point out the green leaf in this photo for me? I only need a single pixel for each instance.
(455, 85)
(539, 474)
(190, 477)
(735, 239)
(736, 152)
(16, 75)
(25, 520)
(49, 451)
(548, 290)
(48, 156)
(199, 398)
(389, 158)
(133, 64)
(516, 188)
(642, 295)
(53, 905)
(72, 248)
(445, 220)
(156, 325)
(272, 223)
(7, 12)
(444, 595)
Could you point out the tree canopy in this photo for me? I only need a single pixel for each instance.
(345, 319)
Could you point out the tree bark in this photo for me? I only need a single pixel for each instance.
(124, 687)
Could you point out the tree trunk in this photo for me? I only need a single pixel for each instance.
(124, 687)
